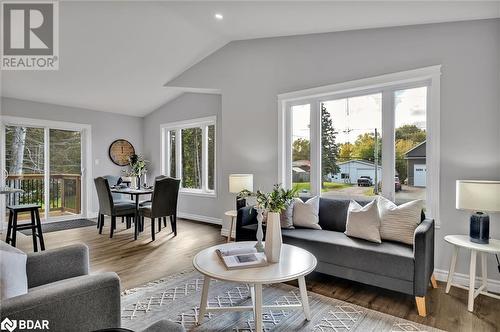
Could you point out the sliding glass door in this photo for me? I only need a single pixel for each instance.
(65, 151)
(25, 163)
(46, 164)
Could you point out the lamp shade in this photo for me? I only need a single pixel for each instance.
(239, 182)
(478, 195)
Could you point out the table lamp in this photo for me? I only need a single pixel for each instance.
(239, 182)
(479, 197)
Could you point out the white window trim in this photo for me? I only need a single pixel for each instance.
(85, 129)
(429, 76)
(202, 123)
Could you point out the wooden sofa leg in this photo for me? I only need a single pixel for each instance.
(434, 282)
(421, 306)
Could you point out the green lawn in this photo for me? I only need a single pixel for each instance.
(327, 186)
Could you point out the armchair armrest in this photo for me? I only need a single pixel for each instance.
(423, 251)
(57, 264)
(85, 303)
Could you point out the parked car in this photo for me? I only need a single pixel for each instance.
(397, 184)
(365, 181)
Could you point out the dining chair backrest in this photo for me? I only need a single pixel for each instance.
(104, 195)
(165, 195)
(113, 181)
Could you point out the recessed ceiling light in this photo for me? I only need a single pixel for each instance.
(218, 16)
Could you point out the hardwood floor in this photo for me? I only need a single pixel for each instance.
(138, 262)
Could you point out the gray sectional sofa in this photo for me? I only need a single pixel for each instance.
(390, 265)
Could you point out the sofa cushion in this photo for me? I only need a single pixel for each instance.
(398, 223)
(363, 222)
(333, 213)
(13, 277)
(305, 214)
(387, 258)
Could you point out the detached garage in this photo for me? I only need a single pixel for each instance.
(352, 170)
(416, 165)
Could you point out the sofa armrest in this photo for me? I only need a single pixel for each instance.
(423, 251)
(57, 264)
(85, 303)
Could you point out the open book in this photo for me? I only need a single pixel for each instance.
(240, 257)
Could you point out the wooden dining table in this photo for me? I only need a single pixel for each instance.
(135, 194)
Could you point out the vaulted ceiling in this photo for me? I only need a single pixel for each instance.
(116, 56)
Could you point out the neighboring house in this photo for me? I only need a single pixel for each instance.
(416, 165)
(301, 170)
(350, 171)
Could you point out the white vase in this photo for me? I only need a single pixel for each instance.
(133, 182)
(273, 238)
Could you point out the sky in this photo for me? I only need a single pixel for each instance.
(358, 115)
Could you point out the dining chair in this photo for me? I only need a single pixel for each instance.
(109, 207)
(163, 204)
(113, 181)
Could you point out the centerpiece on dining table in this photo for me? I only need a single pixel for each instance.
(269, 206)
(137, 169)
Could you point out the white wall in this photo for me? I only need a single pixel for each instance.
(252, 73)
(187, 106)
(106, 127)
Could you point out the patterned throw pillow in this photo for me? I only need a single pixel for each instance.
(306, 214)
(398, 223)
(363, 222)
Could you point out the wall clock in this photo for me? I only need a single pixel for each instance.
(120, 151)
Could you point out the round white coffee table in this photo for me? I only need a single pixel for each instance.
(295, 263)
(463, 241)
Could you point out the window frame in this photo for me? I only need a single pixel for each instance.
(203, 124)
(386, 85)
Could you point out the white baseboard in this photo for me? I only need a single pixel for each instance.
(463, 280)
(197, 217)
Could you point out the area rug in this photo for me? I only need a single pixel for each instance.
(177, 298)
(62, 225)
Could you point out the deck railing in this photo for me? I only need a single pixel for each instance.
(64, 191)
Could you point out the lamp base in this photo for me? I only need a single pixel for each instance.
(479, 231)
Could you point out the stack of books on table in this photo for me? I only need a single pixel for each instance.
(241, 257)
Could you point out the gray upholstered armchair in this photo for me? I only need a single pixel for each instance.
(61, 291)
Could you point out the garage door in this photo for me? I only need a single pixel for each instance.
(420, 175)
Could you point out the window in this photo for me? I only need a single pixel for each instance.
(360, 139)
(350, 146)
(189, 154)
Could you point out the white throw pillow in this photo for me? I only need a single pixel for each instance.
(13, 278)
(306, 214)
(363, 221)
(286, 217)
(398, 223)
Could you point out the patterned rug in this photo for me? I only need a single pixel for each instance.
(177, 298)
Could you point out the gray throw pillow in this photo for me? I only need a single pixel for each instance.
(363, 222)
(287, 217)
(306, 214)
(13, 278)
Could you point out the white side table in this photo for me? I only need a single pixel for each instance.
(463, 241)
(232, 214)
(295, 263)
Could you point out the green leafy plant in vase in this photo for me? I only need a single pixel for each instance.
(274, 202)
